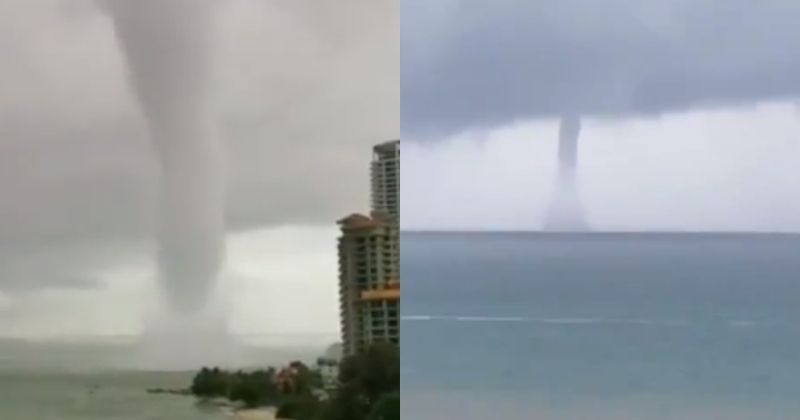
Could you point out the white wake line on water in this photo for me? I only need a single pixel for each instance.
(577, 321)
(566, 321)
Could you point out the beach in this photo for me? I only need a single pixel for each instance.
(255, 414)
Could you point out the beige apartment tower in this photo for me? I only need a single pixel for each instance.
(369, 291)
(385, 178)
(369, 260)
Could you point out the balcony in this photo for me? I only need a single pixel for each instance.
(391, 291)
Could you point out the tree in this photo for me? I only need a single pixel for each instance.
(210, 383)
(387, 408)
(306, 380)
(376, 371)
(364, 380)
(347, 404)
(381, 370)
(255, 388)
(247, 393)
(299, 408)
(368, 389)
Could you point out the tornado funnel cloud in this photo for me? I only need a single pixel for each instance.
(167, 47)
(566, 212)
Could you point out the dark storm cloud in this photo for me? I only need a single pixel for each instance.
(303, 91)
(477, 63)
(28, 267)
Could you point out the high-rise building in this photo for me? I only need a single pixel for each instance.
(369, 260)
(385, 178)
(368, 281)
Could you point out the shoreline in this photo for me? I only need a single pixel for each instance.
(237, 412)
(254, 414)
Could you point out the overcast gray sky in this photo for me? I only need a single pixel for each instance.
(688, 108)
(306, 89)
(468, 63)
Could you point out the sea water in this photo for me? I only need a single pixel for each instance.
(118, 395)
(600, 326)
(80, 378)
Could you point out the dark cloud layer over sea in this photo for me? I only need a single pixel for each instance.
(483, 63)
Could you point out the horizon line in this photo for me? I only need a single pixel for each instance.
(604, 232)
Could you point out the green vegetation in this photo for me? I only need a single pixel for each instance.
(299, 409)
(364, 380)
(368, 388)
(387, 408)
(257, 388)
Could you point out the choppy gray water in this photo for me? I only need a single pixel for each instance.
(117, 395)
(601, 326)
